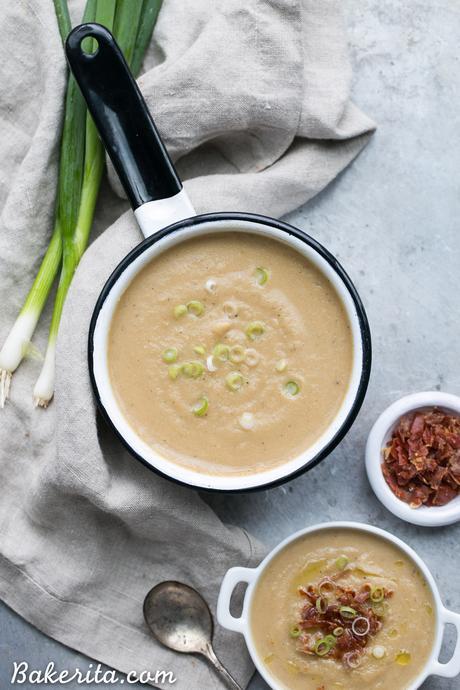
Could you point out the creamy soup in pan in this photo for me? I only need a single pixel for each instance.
(343, 610)
(230, 353)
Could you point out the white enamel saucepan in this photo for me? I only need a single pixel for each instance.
(166, 218)
(252, 576)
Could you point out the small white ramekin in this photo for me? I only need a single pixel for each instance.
(251, 576)
(379, 436)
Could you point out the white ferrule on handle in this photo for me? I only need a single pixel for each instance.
(232, 578)
(451, 668)
(156, 215)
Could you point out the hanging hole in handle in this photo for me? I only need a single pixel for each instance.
(237, 599)
(448, 643)
(89, 46)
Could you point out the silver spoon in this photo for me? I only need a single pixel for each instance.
(180, 619)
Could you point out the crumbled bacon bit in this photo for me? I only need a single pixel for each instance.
(421, 464)
(316, 624)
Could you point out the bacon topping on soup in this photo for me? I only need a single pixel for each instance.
(337, 621)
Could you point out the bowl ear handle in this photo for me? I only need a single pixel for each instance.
(127, 129)
(451, 668)
(232, 578)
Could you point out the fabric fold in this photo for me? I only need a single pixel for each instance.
(253, 101)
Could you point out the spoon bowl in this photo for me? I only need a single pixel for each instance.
(180, 619)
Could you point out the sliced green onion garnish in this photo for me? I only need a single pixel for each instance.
(210, 366)
(378, 652)
(347, 612)
(200, 408)
(230, 309)
(234, 380)
(251, 357)
(222, 352)
(322, 647)
(341, 563)
(211, 285)
(380, 608)
(174, 371)
(169, 355)
(338, 632)
(361, 626)
(281, 365)
(193, 370)
(255, 329)
(331, 640)
(236, 354)
(246, 421)
(195, 307)
(180, 310)
(295, 631)
(325, 587)
(81, 167)
(377, 594)
(261, 275)
(291, 388)
(321, 604)
(200, 350)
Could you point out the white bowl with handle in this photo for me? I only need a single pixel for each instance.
(251, 576)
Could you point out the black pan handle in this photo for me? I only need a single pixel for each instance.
(122, 117)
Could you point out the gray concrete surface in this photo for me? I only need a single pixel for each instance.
(392, 219)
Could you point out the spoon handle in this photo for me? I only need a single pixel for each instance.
(210, 654)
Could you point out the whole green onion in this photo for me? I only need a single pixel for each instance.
(69, 191)
(75, 211)
(80, 172)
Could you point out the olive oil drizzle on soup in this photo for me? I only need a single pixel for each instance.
(230, 353)
(392, 657)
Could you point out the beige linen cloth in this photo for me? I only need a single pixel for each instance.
(253, 99)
